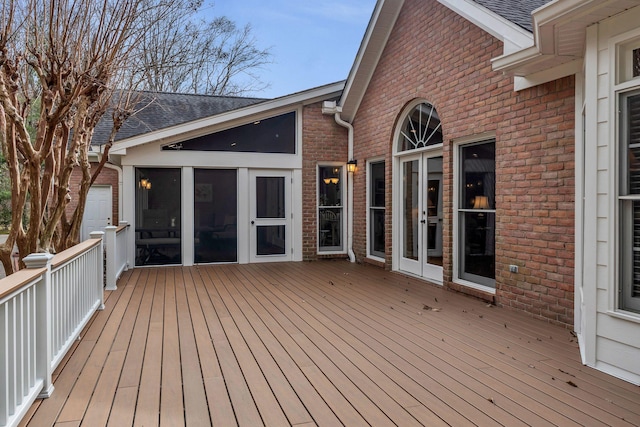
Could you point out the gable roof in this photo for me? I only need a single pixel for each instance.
(504, 19)
(159, 110)
(231, 117)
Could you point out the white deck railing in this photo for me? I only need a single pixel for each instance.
(116, 243)
(42, 311)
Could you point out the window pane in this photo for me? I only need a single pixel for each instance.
(479, 244)
(630, 209)
(421, 128)
(330, 230)
(377, 232)
(330, 221)
(636, 62)
(376, 208)
(270, 202)
(215, 213)
(633, 145)
(271, 135)
(271, 239)
(377, 184)
(330, 185)
(158, 220)
(478, 176)
(477, 221)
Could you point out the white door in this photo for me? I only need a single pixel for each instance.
(421, 216)
(270, 215)
(97, 211)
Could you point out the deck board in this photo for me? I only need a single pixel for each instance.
(320, 344)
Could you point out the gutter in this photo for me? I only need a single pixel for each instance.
(330, 107)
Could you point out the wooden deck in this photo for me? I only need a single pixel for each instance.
(324, 343)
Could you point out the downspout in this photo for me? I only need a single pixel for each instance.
(330, 107)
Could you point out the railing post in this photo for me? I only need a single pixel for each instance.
(43, 320)
(126, 255)
(100, 281)
(111, 249)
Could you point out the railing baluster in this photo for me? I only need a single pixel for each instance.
(40, 316)
(4, 365)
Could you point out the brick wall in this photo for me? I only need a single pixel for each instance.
(437, 56)
(108, 176)
(323, 140)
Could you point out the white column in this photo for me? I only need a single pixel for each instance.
(43, 320)
(111, 249)
(100, 266)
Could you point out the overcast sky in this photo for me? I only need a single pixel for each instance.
(312, 42)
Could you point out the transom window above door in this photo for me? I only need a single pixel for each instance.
(421, 128)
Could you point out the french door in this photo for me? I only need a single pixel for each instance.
(421, 216)
(270, 215)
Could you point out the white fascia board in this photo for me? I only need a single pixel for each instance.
(555, 73)
(545, 21)
(198, 127)
(513, 36)
(373, 43)
(515, 59)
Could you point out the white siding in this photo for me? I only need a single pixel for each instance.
(616, 335)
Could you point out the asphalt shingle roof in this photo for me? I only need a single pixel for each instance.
(163, 110)
(516, 11)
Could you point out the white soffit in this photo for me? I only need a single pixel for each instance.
(230, 118)
(560, 33)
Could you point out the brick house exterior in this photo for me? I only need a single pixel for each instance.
(533, 129)
(323, 142)
(527, 99)
(108, 177)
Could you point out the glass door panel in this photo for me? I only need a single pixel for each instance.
(410, 206)
(433, 212)
(421, 216)
(215, 212)
(271, 214)
(158, 216)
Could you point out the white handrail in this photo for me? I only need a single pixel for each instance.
(42, 311)
(116, 243)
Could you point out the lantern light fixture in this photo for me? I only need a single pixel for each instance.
(352, 165)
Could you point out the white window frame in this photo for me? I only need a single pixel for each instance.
(370, 208)
(622, 82)
(457, 237)
(343, 216)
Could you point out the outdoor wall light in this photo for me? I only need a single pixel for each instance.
(351, 165)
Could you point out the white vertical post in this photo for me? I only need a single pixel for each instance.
(43, 320)
(100, 269)
(126, 239)
(111, 249)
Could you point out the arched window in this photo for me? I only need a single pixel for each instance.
(421, 128)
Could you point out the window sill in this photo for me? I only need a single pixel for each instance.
(624, 315)
(331, 253)
(476, 286)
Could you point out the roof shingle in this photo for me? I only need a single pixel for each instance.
(516, 11)
(159, 110)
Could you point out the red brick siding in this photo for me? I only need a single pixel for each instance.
(108, 176)
(436, 55)
(323, 140)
